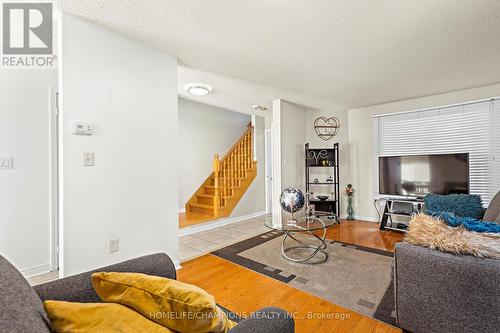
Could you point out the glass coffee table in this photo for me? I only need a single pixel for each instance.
(303, 253)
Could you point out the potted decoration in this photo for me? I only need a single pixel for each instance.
(349, 191)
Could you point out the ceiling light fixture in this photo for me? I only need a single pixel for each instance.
(198, 89)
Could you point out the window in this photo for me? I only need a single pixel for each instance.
(472, 128)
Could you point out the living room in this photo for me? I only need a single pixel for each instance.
(231, 166)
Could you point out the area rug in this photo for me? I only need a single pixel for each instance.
(355, 277)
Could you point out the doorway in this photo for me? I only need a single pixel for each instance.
(269, 170)
(54, 178)
(28, 172)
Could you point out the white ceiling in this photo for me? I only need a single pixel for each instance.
(355, 53)
(240, 96)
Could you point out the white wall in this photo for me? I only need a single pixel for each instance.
(129, 92)
(254, 199)
(293, 127)
(25, 196)
(344, 157)
(237, 95)
(289, 137)
(293, 138)
(361, 138)
(206, 130)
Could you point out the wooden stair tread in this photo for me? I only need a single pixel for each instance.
(213, 187)
(199, 216)
(205, 206)
(233, 175)
(206, 195)
(199, 205)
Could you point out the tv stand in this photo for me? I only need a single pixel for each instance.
(398, 212)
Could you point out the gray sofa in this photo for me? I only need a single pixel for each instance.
(438, 292)
(21, 307)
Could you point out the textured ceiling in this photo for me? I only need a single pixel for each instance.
(356, 53)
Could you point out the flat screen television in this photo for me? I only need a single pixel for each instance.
(419, 175)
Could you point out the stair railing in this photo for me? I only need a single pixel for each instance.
(229, 170)
(217, 196)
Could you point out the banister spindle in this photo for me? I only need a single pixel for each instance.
(225, 181)
(246, 150)
(250, 147)
(240, 172)
(222, 190)
(217, 198)
(231, 172)
(226, 175)
(234, 168)
(250, 155)
(236, 162)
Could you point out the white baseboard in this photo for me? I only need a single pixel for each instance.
(35, 270)
(177, 264)
(217, 223)
(182, 210)
(367, 218)
(362, 218)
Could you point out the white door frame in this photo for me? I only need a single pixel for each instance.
(268, 137)
(54, 178)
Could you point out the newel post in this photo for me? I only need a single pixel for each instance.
(217, 199)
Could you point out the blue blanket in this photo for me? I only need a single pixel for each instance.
(469, 223)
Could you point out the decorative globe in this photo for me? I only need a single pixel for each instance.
(292, 200)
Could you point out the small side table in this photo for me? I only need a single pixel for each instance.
(303, 224)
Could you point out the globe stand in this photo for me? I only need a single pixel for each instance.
(291, 200)
(292, 221)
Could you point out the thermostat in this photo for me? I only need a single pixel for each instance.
(83, 129)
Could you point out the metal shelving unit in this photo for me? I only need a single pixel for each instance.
(331, 156)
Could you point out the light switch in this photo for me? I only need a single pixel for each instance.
(88, 159)
(6, 163)
(113, 245)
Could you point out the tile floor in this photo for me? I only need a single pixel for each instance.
(42, 278)
(200, 243)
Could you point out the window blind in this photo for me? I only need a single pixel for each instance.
(495, 135)
(472, 128)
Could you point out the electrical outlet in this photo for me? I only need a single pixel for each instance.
(88, 159)
(113, 245)
(6, 163)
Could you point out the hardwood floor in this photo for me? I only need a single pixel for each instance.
(243, 291)
(365, 234)
(194, 219)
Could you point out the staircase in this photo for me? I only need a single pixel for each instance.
(231, 177)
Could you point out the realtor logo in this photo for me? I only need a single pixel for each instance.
(27, 28)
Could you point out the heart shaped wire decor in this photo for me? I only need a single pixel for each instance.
(326, 128)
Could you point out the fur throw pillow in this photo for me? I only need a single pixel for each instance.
(432, 232)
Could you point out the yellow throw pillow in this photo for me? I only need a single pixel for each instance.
(67, 317)
(179, 306)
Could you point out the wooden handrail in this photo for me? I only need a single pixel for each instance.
(249, 130)
(232, 167)
(231, 177)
